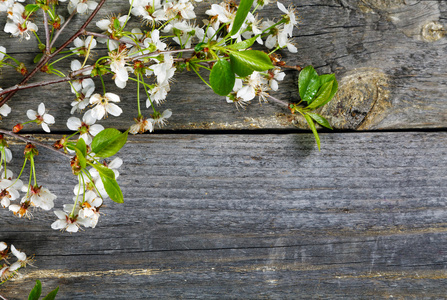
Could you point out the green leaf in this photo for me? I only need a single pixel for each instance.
(239, 68)
(222, 78)
(108, 142)
(241, 15)
(116, 24)
(104, 171)
(199, 47)
(37, 58)
(110, 185)
(327, 78)
(314, 130)
(52, 294)
(308, 84)
(36, 291)
(250, 59)
(320, 120)
(81, 158)
(82, 146)
(244, 44)
(30, 8)
(323, 95)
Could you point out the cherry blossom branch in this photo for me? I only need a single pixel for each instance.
(277, 100)
(33, 141)
(298, 68)
(80, 71)
(81, 30)
(47, 32)
(100, 35)
(162, 52)
(72, 75)
(47, 57)
(58, 33)
(41, 83)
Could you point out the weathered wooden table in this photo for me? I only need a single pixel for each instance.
(240, 204)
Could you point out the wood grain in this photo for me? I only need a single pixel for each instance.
(388, 56)
(252, 216)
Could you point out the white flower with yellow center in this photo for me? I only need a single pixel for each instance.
(103, 105)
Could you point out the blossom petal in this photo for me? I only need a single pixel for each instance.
(82, 8)
(75, 64)
(59, 224)
(60, 214)
(282, 7)
(45, 127)
(5, 110)
(74, 123)
(114, 109)
(31, 114)
(41, 109)
(20, 255)
(72, 228)
(49, 119)
(112, 97)
(95, 129)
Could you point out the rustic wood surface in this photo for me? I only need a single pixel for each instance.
(387, 54)
(252, 216)
(261, 213)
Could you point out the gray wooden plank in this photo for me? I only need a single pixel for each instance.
(387, 55)
(252, 216)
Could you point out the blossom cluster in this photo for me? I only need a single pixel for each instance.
(7, 270)
(170, 40)
(146, 53)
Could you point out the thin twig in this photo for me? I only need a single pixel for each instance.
(42, 83)
(33, 141)
(47, 32)
(81, 30)
(80, 71)
(100, 35)
(298, 68)
(3, 298)
(162, 52)
(277, 100)
(58, 33)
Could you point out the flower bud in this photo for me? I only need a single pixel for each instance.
(3, 142)
(17, 128)
(45, 69)
(30, 151)
(22, 69)
(75, 165)
(60, 143)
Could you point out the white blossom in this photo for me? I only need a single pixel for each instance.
(142, 125)
(161, 120)
(66, 222)
(43, 118)
(81, 46)
(9, 191)
(3, 246)
(290, 16)
(87, 127)
(39, 197)
(103, 105)
(275, 76)
(79, 84)
(81, 6)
